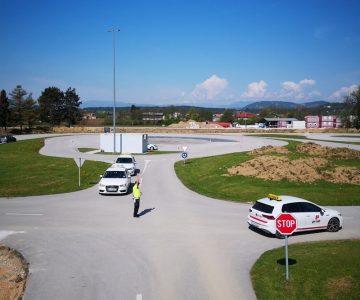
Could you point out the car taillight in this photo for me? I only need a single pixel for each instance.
(268, 217)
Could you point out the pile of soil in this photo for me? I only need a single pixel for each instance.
(191, 124)
(307, 170)
(13, 274)
(281, 168)
(270, 149)
(328, 152)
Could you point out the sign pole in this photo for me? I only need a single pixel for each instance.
(79, 170)
(286, 258)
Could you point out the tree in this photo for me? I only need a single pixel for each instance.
(30, 113)
(135, 115)
(17, 106)
(192, 114)
(352, 108)
(228, 116)
(51, 106)
(4, 109)
(71, 113)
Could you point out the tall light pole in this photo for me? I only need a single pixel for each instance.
(114, 31)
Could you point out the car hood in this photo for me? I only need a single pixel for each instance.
(113, 181)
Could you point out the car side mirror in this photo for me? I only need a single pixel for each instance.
(322, 212)
(100, 176)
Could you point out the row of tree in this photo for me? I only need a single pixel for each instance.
(53, 107)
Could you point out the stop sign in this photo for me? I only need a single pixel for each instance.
(286, 224)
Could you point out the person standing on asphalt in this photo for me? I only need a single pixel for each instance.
(136, 195)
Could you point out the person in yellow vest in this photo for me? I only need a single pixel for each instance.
(136, 195)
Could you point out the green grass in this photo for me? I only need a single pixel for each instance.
(323, 270)
(83, 150)
(146, 153)
(206, 176)
(288, 136)
(24, 172)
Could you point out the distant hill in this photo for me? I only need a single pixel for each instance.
(267, 104)
(316, 104)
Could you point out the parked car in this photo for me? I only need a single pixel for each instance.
(152, 147)
(126, 161)
(7, 138)
(115, 180)
(309, 216)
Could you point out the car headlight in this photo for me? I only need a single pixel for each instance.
(101, 185)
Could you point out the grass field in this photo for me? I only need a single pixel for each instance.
(24, 172)
(322, 270)
(298, 137)
(206, 176)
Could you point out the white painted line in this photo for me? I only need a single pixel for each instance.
(147, 161)
(138, 297)
(5, 233)
(22, 214)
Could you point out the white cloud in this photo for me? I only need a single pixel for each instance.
(210, 88)
(255, 90)
(296, 87)
(344, 91)
(298, 90)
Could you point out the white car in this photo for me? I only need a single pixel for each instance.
(152, 147)
(126, 161)
(115, 180)
(309, 216)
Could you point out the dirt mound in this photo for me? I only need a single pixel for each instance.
(13, 274)
(317, 150)
(343, 174)
(270, 149)
(307, 169)
(281, 168)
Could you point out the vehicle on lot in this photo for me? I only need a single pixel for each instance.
(309, 216)
(126, 161)
(7, 138)
(116, 180)
(152, 147)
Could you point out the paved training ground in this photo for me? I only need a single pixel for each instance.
(185, 246)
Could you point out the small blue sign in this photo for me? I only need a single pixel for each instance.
(184, 155)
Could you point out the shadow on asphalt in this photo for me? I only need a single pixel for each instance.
(263, 233)
(145, 211)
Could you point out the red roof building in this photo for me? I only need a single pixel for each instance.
(244, 115)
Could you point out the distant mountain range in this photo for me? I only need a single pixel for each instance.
(283, 105)
(245, 106)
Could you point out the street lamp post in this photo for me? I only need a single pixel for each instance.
(114, 31)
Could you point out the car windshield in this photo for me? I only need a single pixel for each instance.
(114, 174)
(263, 207)
(124, 160)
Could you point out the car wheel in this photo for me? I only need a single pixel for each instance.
(279, 235)
(152, 148)
(333, 225)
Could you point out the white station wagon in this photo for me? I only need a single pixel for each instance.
(116, 180)
(309, 216)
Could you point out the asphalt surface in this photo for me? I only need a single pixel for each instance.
(185, 246)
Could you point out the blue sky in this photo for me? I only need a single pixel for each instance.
(183, 52)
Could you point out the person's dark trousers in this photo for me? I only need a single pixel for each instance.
(136, 207)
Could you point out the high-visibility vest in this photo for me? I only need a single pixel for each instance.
(136, 192)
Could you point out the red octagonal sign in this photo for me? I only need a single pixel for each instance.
(286, 224)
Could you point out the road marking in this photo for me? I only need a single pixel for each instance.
(5, 233)
(147, 161)
(138, 297)
(22, 214)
